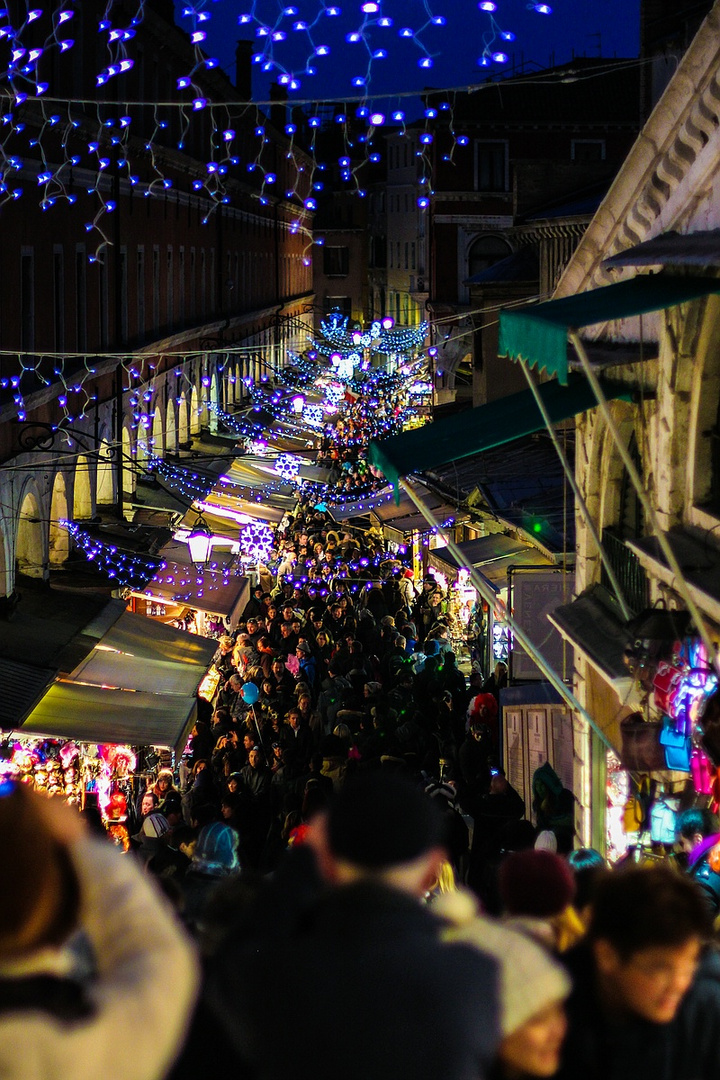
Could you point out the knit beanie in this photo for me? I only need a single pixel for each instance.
(546, 841)
(381, 819)
(535, 882)
(530, 979)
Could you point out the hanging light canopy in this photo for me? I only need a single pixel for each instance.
(200, 542)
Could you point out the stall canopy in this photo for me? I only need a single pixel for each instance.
(403, 515)
(137, 686)
(492, 556)
(207, 590)
(94, 714)
(343, 511)
(270, 508)
(479, 429)
(672, 248)
(537, 334)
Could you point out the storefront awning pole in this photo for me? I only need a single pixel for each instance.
(484, 590)
(581, 504)
(680, 584)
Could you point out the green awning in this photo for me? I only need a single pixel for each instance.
(537, 333)
(482, 428)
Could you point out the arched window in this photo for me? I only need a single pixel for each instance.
(485, 252)
(59, 537)
(29, 546)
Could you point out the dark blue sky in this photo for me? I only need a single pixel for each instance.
(587, 27)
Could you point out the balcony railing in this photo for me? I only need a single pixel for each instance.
(630, 575)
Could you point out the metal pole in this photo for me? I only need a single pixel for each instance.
(484, 589)
(578, 495)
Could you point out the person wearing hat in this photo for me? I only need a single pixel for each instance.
(533, 990)
(214, 858)
(58, 881)
(152, 836)
(307, 664)
(537, 889)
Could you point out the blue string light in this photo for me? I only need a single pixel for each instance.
(190, 484)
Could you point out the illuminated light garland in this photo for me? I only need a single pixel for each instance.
(125, 569)
(110, 139)
(190, 484)
(382, 337)
(193, 582)
(242, 426)
(256, 542)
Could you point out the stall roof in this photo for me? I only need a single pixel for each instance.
(56, 628)
(206, 590)
(523, 483)
(404, 515)
(97, 714)
(672, 248)
(495, 424)
(697, 556)
(225, 524)
(22, 687)
(594, 623)
(253, 471)
(114, 670)
(138, 686)
(358, 507)
(492, 556)
(270, 503)
(537, 334)
(133, 635)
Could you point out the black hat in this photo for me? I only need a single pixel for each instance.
(381, 820)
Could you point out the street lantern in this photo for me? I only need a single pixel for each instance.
(200, 542)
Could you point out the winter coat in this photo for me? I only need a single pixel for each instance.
(704, 869)
(135, 1023)
(596, 1048)
(375, 993)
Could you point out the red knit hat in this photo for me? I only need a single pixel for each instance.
(536, 883)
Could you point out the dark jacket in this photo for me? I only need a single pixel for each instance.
(371, 991)
(596, 1048)
(702, 870)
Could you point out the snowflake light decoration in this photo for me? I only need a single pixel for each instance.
(256, 542)
(288, 467)
(313, 415)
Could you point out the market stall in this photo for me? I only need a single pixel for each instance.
(135, 690)
(216, 594)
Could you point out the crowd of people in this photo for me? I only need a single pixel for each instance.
(338, 878)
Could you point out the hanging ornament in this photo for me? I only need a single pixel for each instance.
(256, 542)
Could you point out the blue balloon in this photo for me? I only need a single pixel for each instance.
(250, 693)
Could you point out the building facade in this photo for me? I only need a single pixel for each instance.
(660, 216)
(162, 272)
(531, 144)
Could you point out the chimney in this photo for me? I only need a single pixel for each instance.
(278, 108)
(243, 69)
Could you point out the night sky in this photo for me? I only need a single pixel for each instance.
(587, 27)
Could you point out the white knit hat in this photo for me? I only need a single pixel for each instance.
(530, 978)
(546, 841)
